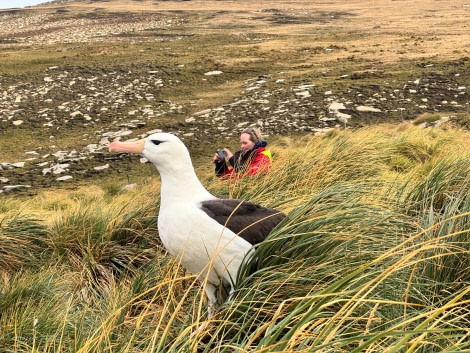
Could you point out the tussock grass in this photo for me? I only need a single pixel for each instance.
(372, 257)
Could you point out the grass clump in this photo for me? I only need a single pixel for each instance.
(371, 257)
(427, 119)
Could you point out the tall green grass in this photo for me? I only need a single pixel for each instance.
(372, 257)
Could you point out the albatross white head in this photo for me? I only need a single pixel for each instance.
(171, 157)
(161, 149)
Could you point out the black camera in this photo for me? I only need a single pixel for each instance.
(221, 154)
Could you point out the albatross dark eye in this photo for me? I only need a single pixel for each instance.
(156, 142)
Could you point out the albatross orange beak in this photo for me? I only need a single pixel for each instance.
(129, 146)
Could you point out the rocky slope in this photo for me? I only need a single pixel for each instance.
(96, 104)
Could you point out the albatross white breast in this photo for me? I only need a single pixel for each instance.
(209, 235)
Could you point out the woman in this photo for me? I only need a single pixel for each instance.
(252, 159)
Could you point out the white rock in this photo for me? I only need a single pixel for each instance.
(64, 178)
(363, 108)
(4, 180)
(211, 73)
(12, 165)
(303, 87)
(336, 106)
(18, 122)
(153, 131)
(92, 147)
(303, 94)
(56, 169)
(75, 114)
(12, 187)
(202, 112)
(103, 167)
(343, 118)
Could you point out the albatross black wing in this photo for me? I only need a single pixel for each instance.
(250, 221)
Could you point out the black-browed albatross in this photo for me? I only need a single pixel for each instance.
(209, 235)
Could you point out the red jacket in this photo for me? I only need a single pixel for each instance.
(259, 160)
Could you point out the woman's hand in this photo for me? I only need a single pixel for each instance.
(217, 158)
(229, 154)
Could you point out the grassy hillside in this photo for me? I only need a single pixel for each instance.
(373, 257)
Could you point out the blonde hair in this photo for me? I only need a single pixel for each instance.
(254, 132)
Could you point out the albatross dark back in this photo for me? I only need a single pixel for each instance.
(250, 221)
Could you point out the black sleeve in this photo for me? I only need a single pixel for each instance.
(220, 168)
(231, 160)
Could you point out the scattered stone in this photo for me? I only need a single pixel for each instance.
(64, 178)
(303, 94)
(203, 112)
(92, 147)
(335, 108)
(56, 169)
(303, 87)
(103, 167)
(212, 73)
(75, 114)
(14, 187)
(363, 108)
(152, 132)
(12, 165)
